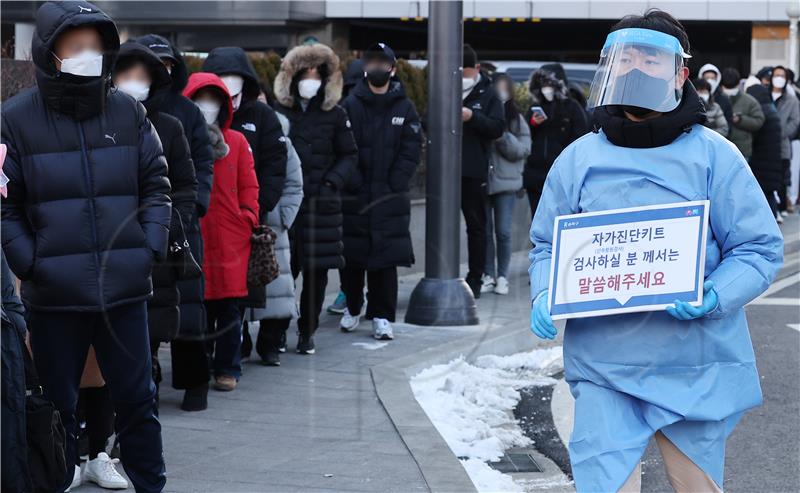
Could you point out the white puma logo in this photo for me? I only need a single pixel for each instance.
(84, 9)
(112, 138)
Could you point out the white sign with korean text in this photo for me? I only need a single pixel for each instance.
(628, 260)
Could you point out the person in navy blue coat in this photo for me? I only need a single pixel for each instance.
(86, 217)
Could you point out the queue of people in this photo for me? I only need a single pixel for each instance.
(114, 261)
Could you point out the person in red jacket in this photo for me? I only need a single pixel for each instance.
(226, 227)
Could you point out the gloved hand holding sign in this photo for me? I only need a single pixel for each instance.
(541, 323)
(685, 311)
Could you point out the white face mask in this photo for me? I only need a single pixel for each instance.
(210, 110)
(308, 88)
(714, 83)
(234, 83)
(703, 96)
(88, 63)
(467, 84)
(136, 89)
(779, 82)
(730, 92)
(548, 93)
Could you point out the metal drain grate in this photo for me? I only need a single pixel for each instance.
(516, 462)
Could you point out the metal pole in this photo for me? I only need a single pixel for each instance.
(442, 298)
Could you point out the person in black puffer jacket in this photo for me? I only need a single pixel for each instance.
(766, 161)
(307, 89)
(190, 364)
(377, 217)
(563, 123)
(87, 214)
(259, 124)
(136, 63)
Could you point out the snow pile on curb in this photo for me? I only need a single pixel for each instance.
(471, 406)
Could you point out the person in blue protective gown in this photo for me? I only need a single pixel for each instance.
(687, 374)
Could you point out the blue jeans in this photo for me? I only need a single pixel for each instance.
(499, 215)
(225, 342)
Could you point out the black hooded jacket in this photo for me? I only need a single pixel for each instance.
(162, 309)
(258, 122)
(194, 125)
(766, 158)
(377, 216)
(87, 208)
(192, 310)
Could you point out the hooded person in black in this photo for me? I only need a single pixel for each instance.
(87, 214)
(766, 162)
(255, 120)
(190, 364)
(483, 122)
(133, 62)
(574, 91)
(377, 217)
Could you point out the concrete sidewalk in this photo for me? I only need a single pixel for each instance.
(320, 423)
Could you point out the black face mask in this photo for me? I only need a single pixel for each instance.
(639, 89)
(379, 77)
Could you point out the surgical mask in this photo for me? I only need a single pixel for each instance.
(234, 83)
(87, 63)
(503, 95)
(714, 84)
(730, 92)
(210, 111)
(703, 96)
(308, 88)
(379, 77)
(779, 82)
(136, 89)
(549, 93)
(467, 84)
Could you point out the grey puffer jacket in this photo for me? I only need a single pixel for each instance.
(716, 118)
(280, 292)
(507, 158)
(789, 113)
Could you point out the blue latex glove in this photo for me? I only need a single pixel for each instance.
(685, 311)
(541, 323)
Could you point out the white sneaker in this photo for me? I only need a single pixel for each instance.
(349, 322)
(785, 213)
(76, 479)
(779, 218)
(502, 286)
(103, 472)
(382, 329)
(488, 284)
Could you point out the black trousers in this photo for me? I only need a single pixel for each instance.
(311, 298)
(787, 180)
(381, 291)
(473, 206)
(270, 334)
(99, 411)
(60, 343)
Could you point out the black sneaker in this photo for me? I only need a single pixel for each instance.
(195, 399)
(271, 358)
(305, 345)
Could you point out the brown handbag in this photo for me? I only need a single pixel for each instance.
(262, 267)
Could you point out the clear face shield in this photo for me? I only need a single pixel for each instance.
(639, 67)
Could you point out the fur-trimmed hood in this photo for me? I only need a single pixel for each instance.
(541, 78)
(305, 57)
